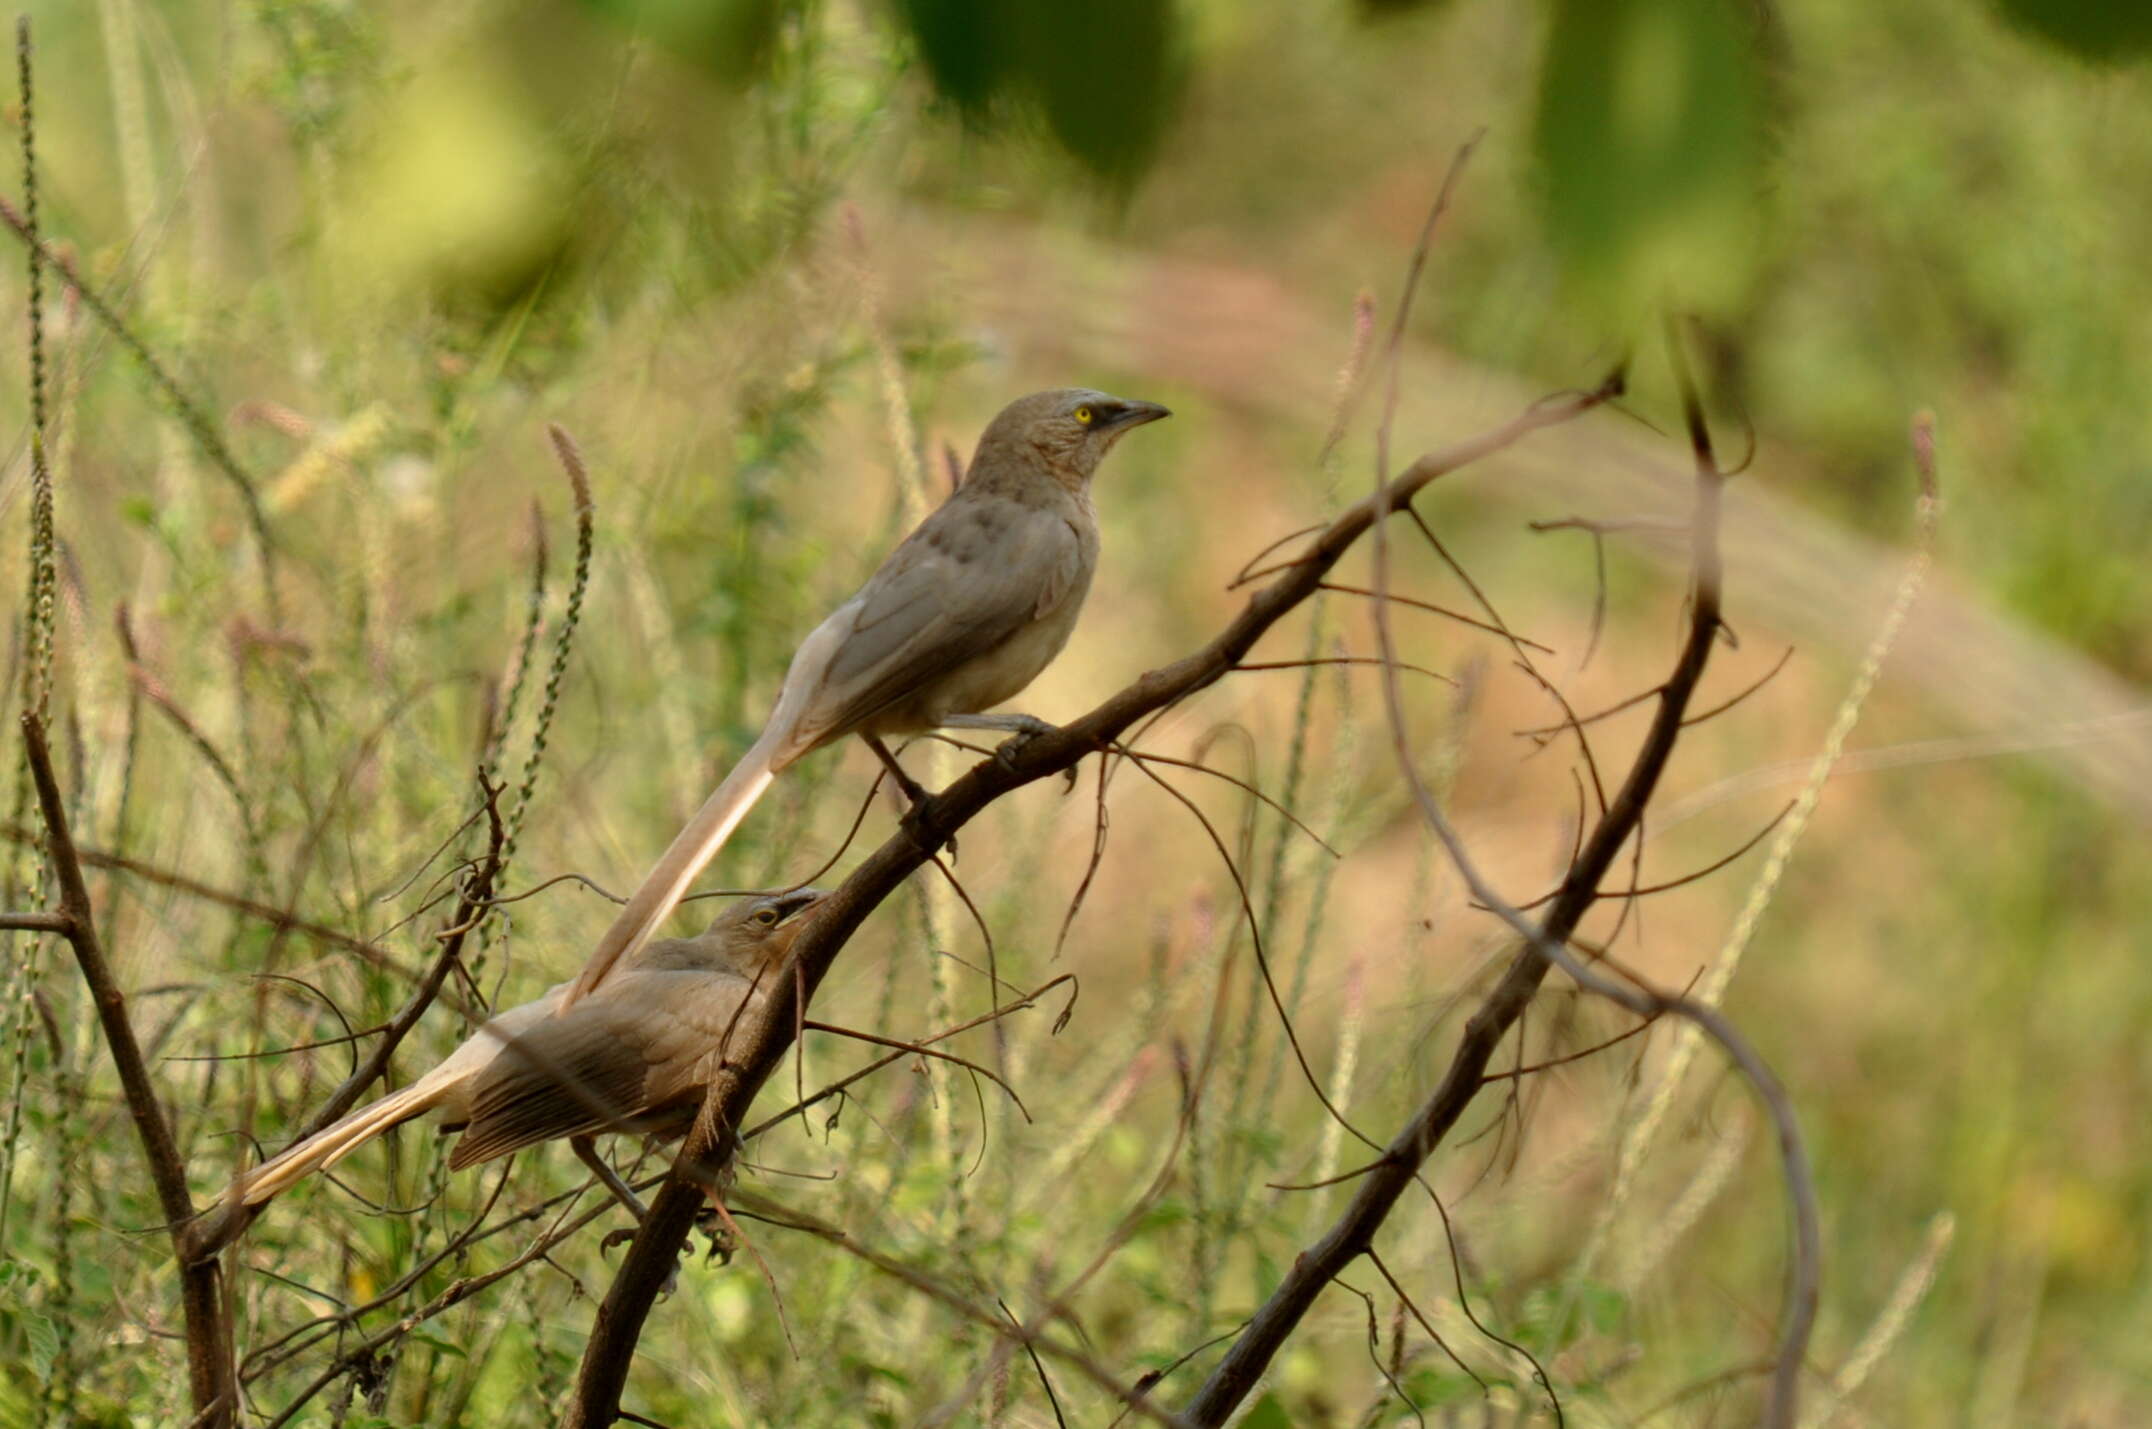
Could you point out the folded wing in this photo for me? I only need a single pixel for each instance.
(644, 1045)
(971, 576)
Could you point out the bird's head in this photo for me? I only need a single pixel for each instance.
(752, 937)
(1067, 432)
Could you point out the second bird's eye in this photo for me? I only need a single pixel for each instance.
(767, 918)
(1084, 415)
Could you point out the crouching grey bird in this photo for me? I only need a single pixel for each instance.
(962, 616)
(635, 1056)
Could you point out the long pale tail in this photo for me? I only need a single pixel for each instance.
(691, 851)
(329, 1145)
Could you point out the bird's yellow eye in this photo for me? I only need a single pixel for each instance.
(1084, 415)
(767, 918)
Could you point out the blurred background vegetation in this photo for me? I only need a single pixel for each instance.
(767, 259)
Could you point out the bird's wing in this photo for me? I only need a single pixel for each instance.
(973, 574)
(642, 1040)
(484, 1046)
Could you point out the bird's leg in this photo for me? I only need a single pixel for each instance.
(586, 1151)
(1021, 729)
(921, 800)
(912, 788)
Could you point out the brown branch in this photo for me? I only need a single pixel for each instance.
(918, 1049)
(1039, 1367)
(1545, 947)
(1248, 573)
(1526, 1069)
(1145, 756)
(1457, 615)
(838, 1086)
(643, 1271)
(209, 1340)
(1341, 660)
(1576, 721)
(1726, 704)
(1571, 723)
(1643, 890)
(1544, 731)
(38, 923)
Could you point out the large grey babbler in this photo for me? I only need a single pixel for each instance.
(963, 615)
(636, 1056)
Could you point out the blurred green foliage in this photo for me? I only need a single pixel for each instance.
(1104, 75)
(2101, 30)
(1650, 134)
(386, 240)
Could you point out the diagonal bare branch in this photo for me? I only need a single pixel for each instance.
(621, 1316)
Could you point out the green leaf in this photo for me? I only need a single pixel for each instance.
(1163, 1213)
(1267, 1275)
(870, 1369)
(967, 46)
(1603, 1306)
(1383, 9)
(732, 39)
(1108, 75)
(423, 1337)
(2104, 31)
(1264, 1142)
(44, 1341)
(1267, 1414)
(1649, 138)
(1430, 1388)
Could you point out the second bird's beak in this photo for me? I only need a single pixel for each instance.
(1135, 414)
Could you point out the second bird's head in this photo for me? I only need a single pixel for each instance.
(1067, 432)
(752, 937)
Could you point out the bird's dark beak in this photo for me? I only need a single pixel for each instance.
(803, 900)
(1135, 414)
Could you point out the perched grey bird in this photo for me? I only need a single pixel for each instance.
(963, 615)
(636, 1056)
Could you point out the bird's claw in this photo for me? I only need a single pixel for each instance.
(706, 1221)
(1031, 728)
(722, 1241)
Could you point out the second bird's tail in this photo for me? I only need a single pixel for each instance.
(329, 1145)
(690, 852)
